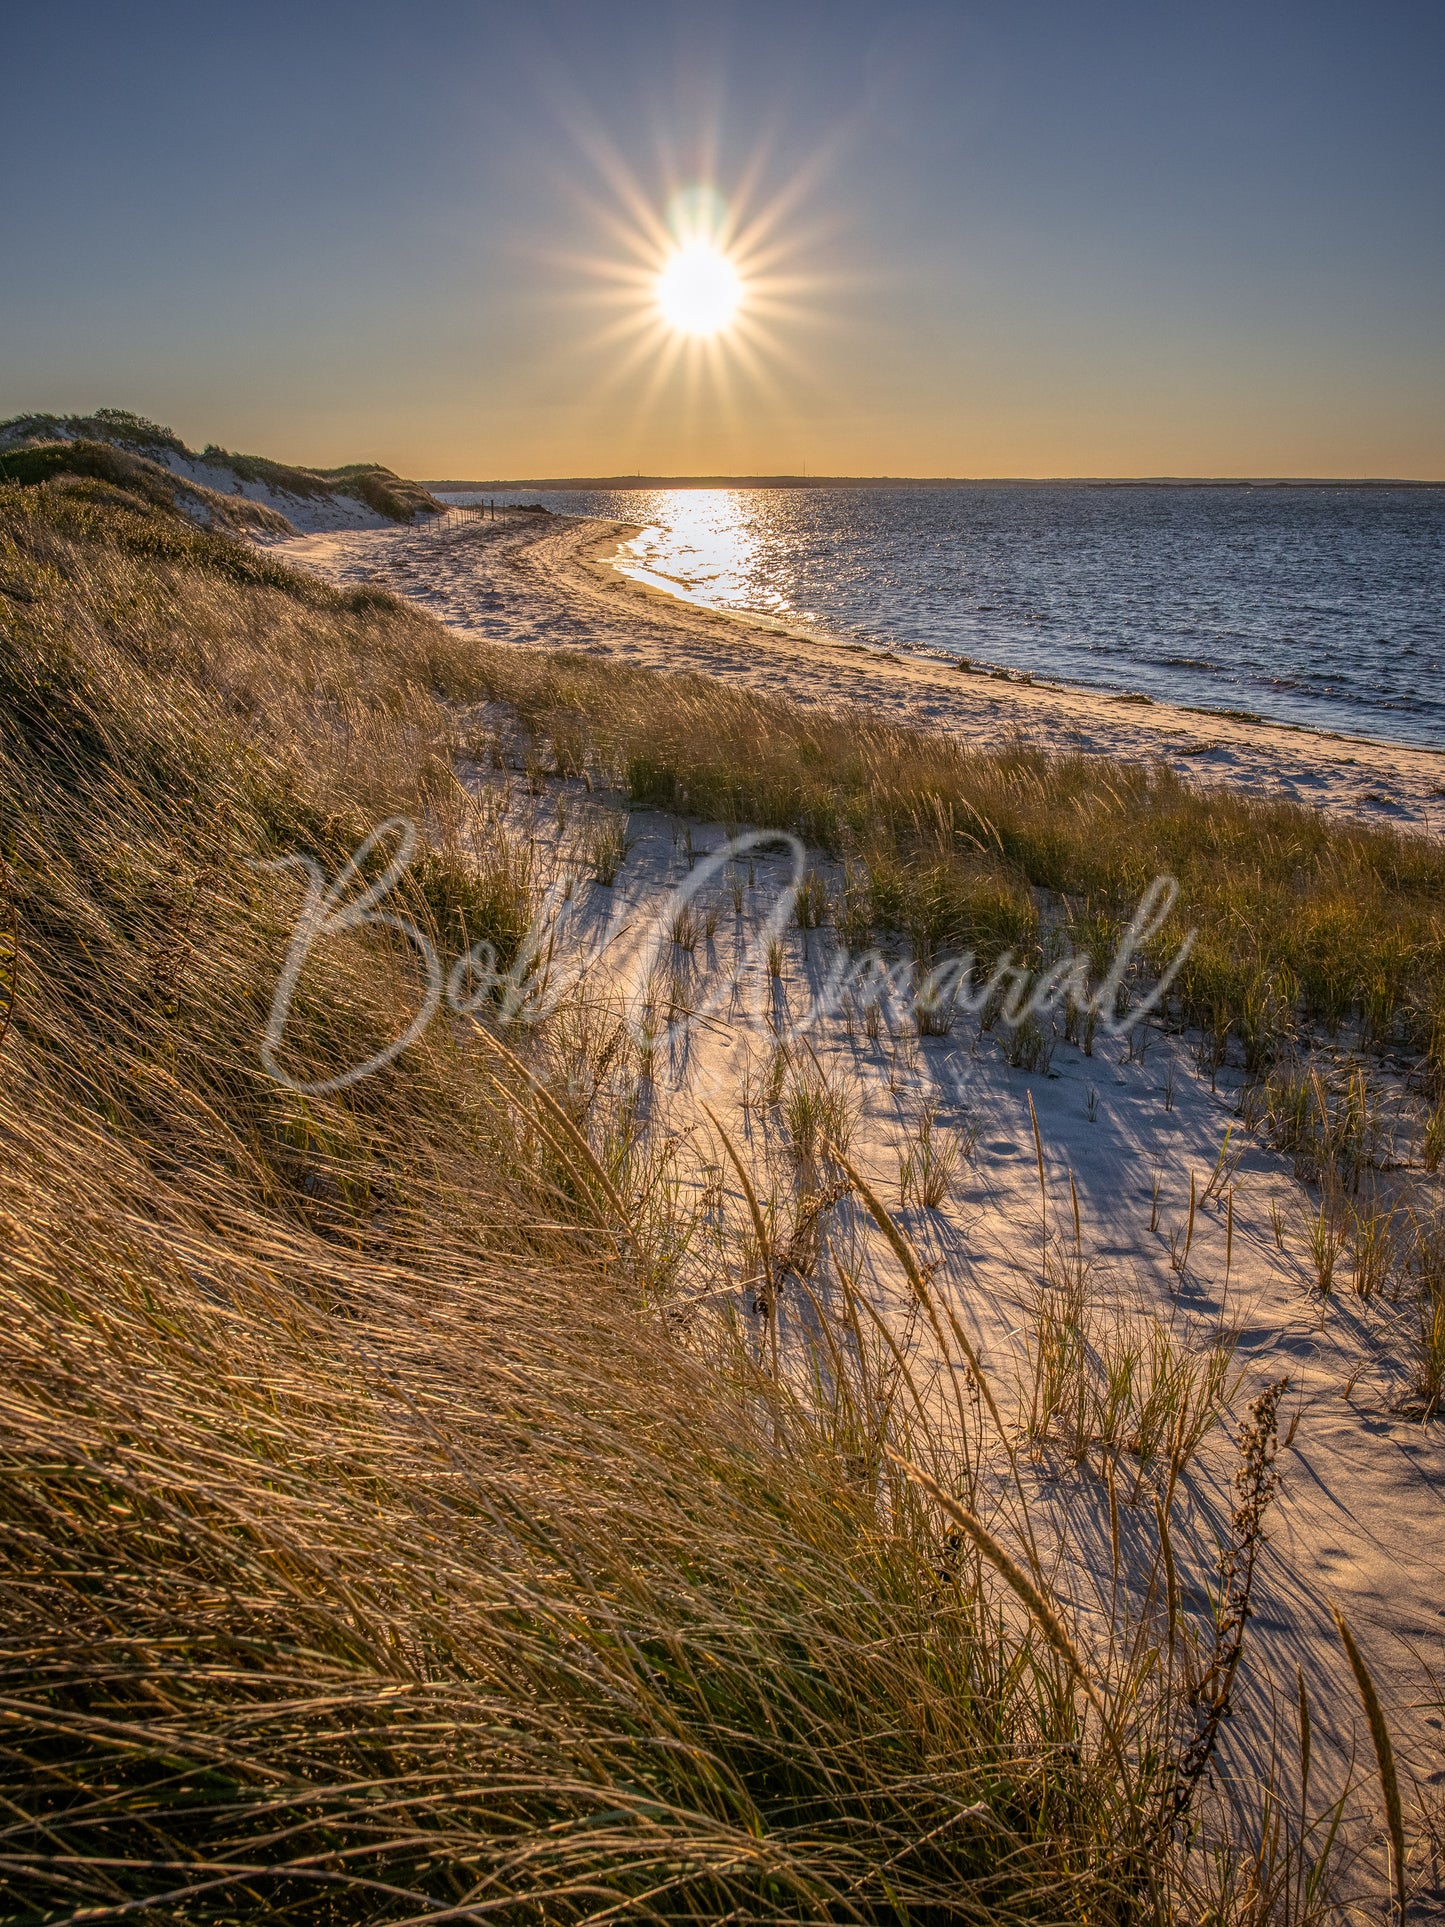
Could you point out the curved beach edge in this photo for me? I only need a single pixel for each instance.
(1345, 774)
(553, 581)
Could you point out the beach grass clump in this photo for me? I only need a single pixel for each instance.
(1108, 1380)
(812, 902)
(1330, 1121)
(604, 844)
(929, 1165)
(817, 1112)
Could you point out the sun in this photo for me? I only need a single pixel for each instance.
(701, 292)
(698, 290)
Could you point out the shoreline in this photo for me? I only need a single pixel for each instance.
(999, 672)
(552, 582)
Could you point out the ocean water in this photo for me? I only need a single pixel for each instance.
(1322, 606)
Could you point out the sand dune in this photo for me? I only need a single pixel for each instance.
(1360, 1516)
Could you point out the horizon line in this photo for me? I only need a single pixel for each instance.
(640, 481)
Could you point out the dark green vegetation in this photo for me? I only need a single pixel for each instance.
(378, 1543)
(139, 448)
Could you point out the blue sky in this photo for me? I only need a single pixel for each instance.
(1019, 238)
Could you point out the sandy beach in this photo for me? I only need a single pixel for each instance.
(1360, 1516)
(548, 582)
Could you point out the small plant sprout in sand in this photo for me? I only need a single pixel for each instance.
(749, 1092)
(810, 904)
(536, 768)
(1372, 1248)
(1181, 1239)
(816, 1110)
(934, 1009)
(1136, 1044)
(604, 843)
(1429, 1377)
(1426, 1266)
(685, 927)
(681, 993)
(1276, 1223)
(1120, 1382)
(929, 1165)
(853, 914)
(1332, 1126)
(1030, 1047)
(1225, 1167)
(1169, 1084)
(1325, 1230)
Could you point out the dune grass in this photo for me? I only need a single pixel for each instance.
(118, 446)
(1303, 923)
(117, 425)
(146, 481)
(378, 1544)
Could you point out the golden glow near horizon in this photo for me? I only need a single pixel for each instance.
(699, 289)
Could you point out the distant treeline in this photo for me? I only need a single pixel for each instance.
(932, 481)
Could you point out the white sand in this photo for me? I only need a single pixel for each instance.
(1360, 1515)
(550, 582)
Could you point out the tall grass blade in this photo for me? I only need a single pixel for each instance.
(908, 1258)
(1384, 1757)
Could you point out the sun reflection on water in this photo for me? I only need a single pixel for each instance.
(713, 546)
